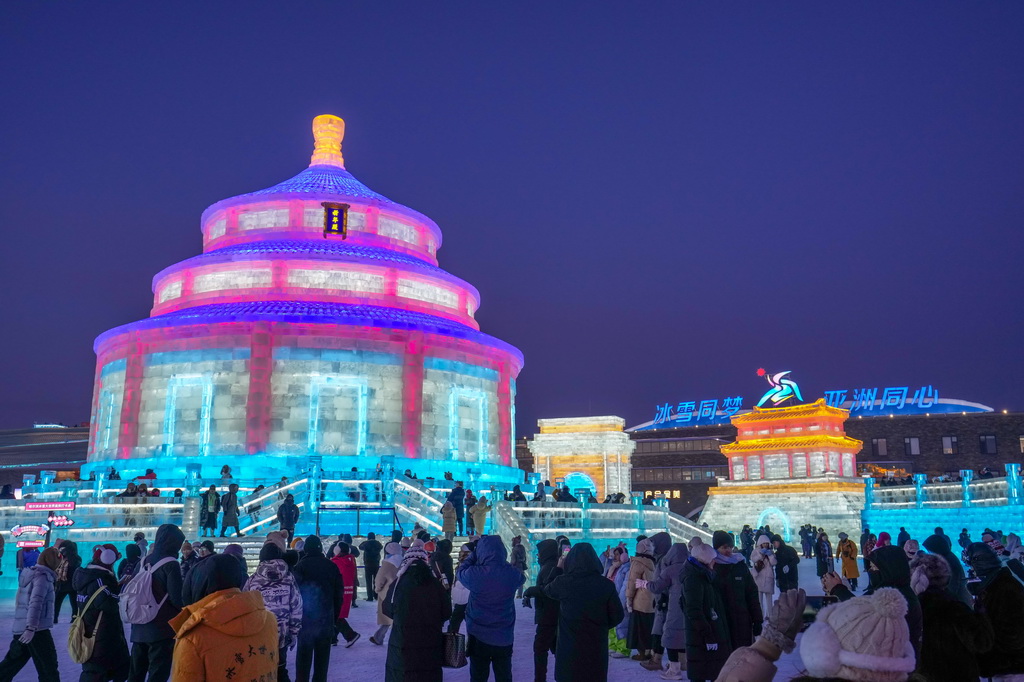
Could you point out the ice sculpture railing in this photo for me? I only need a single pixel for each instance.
(261, 508)
(418, 503)
(507, 524)
(968, 492)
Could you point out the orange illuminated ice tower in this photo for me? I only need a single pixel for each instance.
(788, 467)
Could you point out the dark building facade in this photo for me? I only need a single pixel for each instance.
(681, 463)
(29, 451)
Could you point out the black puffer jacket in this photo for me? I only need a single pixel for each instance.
(166, 581)
(371, 551)
(321, 587)
(441, 562)
(546, 608)
(706, 623)
(742, 604)
(786, 558)
(111, 648)
(954, 638)
(1000, 599)
(418, 608)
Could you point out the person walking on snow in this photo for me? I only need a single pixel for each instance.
(322, 594)
(418, 605)
(153, 642)
(33, 619)
(346, 564)
(281, 596)
(546, 611)
(371, 549)
(110, 659)
(847, 549)
(381, 584)
(229, 504)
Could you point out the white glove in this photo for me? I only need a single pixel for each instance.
(785, 569)
(27, 636)
(629, 606)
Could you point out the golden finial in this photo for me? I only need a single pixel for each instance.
(328, 132)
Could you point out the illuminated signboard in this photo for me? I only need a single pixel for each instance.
(49, 506)
(782, 389)
(20, 530)
(61, 521)
(30, 543)
(692, 413)
(335, 219)
(891, 399)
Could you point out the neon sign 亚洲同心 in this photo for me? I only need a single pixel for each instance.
(782, 389)
(891, 399)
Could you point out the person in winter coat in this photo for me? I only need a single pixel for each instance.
(449, 522)
(660, 544)
(457, 497)
(823, 555)
(322, 596)
(936, 544)
(371, 549)
(288, 515)
(109, 660)
(189, 558)
(864, 544)
(546, 611)
(518, 560)
(460, 595)
(491, 615)
(469, 501)
(131, 563)
(479, 512)
(418, 607)
(441, 563)
(762, 567)
(69, 563)
(229, 504)
(153, 642)
(209, 507)
(1000, 600)
(884, 540)
(227, 634)
(902, 537)
(640, 601)
(668, 586)
(954, 637)
(889, 568)
(617, 636)
(33, 618)
(707, 630)
(382, 583)
(738, 591)
(346, 564)
(282, 598)
(787, 566)
(847, 550)
(588, 608)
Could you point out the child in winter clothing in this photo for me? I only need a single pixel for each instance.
(282, 598)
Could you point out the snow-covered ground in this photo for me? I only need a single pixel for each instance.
(365, 662)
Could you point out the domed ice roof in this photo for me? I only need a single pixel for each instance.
(325, 178)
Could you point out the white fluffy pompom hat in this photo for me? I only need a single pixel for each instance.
(864, 639)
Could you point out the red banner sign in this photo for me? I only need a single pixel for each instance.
(50, 506)
(19, 530)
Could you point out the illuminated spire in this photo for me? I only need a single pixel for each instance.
(328, 132)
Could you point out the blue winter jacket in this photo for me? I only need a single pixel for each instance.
(492, 583)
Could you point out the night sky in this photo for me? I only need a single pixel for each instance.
(654, 199)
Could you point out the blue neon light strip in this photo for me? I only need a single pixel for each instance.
(460, 368)
(114, 366)
(170, 414)
(197, 355)
(362, 406)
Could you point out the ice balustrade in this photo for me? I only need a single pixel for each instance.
(988, 492)
(507, 524)
(416, 501)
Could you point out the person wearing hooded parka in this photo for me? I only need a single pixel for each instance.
(669, 585)
(418, 608)
(588, 607)
(322, 593)
(1000, 599)
(660, 544)
(546, 608)
(153, 642)
(69, 563)
(939, 544)
(707, 628)
(110, 655)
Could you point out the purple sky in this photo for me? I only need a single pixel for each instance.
(654, 200)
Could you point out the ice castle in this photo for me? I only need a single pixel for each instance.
(316, 326)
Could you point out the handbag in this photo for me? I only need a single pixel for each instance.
(454, 650)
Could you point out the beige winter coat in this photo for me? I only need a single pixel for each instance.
(479, 512)
(386, 575)
(640, 567)
(448, 514)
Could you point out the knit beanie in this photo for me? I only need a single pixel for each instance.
(929, 570)
(703, 553)
(721, 538)
(279, 538)
(864, 639)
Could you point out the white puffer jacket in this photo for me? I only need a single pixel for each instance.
(34, 603)
(764, 578)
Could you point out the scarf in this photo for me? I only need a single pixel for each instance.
(412, 555)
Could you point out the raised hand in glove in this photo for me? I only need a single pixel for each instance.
(785, 619)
